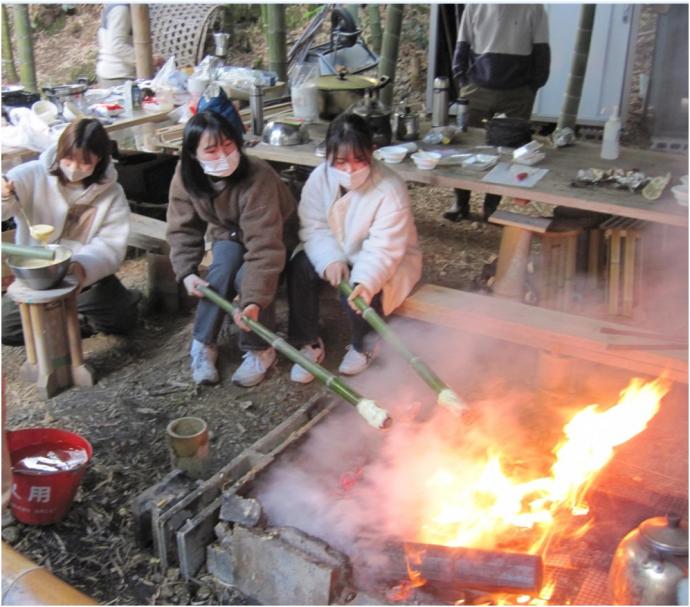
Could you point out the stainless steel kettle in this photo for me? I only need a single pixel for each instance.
(406, 124)
(650, 565)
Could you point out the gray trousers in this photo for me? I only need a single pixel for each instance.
(225, 277)
(107, 306)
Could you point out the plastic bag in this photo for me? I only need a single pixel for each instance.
(28, 132)
(304, 90)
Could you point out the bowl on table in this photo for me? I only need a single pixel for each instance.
(680, 193)
(41, 274)
(426, 160)
(391, 154)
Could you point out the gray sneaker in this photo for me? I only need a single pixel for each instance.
(254, 367)
(204, 359)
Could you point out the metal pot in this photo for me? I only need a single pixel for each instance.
(651, 563)
(285, 132)
(406, 125)
(338, 93)
(60, 93)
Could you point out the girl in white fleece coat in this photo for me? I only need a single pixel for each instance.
(356, 225)
(73, 187)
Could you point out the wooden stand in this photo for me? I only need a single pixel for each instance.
(623, 261)
(54, 358)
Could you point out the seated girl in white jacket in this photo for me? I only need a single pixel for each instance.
(73, 187)
(356, 224)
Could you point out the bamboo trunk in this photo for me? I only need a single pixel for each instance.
(8, 68)
(375, 27)
(578, 68)
(368, 409)
(391, 46)
(353, 9)
(25, 47)
(446, 396)
(277, 60)
(459, 568)
(141, 35)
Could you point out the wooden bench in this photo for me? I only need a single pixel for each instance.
(550, 330)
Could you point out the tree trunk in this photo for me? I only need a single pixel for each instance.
(7, 55)
(25, 47)
(571, 101)
(264, 20)
(375, 25)
(391, 46)
(141, 34)
(277, 60)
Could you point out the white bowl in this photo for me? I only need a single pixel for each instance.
(45, 110)
(426, 160)
(392, 154)
(680, 193)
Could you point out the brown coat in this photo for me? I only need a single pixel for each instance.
(258, 212)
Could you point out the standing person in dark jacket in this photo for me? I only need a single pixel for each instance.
(501, 59)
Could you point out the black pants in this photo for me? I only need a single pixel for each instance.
(106, 305)
(225, 277)
(462, 203)
(303, 293)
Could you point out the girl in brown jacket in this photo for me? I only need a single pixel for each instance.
(245, 208)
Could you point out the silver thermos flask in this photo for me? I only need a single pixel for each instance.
(439, 110)
(256, 104)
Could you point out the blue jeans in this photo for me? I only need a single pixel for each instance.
(225, 277)
(304, 285)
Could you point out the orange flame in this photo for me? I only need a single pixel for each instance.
(472, 504)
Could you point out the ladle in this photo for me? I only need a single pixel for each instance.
(40, 231)
(368, 409)
(445, 395)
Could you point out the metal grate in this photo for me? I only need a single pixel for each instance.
(184, 30)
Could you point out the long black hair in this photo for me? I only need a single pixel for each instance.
(88, 137)
(195, 181)
(349, 132)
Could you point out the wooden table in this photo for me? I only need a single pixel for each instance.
(554, 188)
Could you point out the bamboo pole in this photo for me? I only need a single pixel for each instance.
(8, 68)
(375, 27)
(27, 251)
(446, 397)
(389, 53)
(571, 101)
(368, 409)
(353, 9)
(25, 47)
(141, 35)
(277, 60)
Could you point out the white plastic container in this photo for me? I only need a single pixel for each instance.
(612, 130)
(305, 103)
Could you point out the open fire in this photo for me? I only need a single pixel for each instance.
(480, 504)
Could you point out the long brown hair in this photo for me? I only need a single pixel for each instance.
(88, 137)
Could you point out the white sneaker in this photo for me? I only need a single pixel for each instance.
(354, 362)
(254, 367)
(204, 359)
(313, 353)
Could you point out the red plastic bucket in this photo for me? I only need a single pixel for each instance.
(43, 496)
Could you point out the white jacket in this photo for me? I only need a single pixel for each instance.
(374, 232)
(115, 46)
(95, 226)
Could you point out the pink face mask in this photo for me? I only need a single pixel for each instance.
(223, 166)
(73, 172)
(354, 180)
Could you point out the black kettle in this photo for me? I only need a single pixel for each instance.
(377, 115)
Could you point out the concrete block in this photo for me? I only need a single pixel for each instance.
(219, 562)
(271, 571)
(237, 509)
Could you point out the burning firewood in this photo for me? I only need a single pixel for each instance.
(368, 409)
(457, 568)
(446, 397)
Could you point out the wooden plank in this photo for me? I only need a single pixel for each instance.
(194, 536)
(567, 334)
(147, 233)
(630, 272)
(538, 225)
(139, 117)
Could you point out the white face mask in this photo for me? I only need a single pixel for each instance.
(351, 181)
(223, 166)
(74, 173)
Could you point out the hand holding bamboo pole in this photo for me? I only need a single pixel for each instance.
(446, 397)
(368, 409)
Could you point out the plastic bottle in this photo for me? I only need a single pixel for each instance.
(129, 101)
(612, 130)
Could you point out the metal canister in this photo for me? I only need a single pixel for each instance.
(256, 105)
(439, 111)
(462, 118)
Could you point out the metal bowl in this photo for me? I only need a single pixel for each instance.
(41, 274)
(285, 132)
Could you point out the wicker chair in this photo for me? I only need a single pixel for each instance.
(184, 30)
